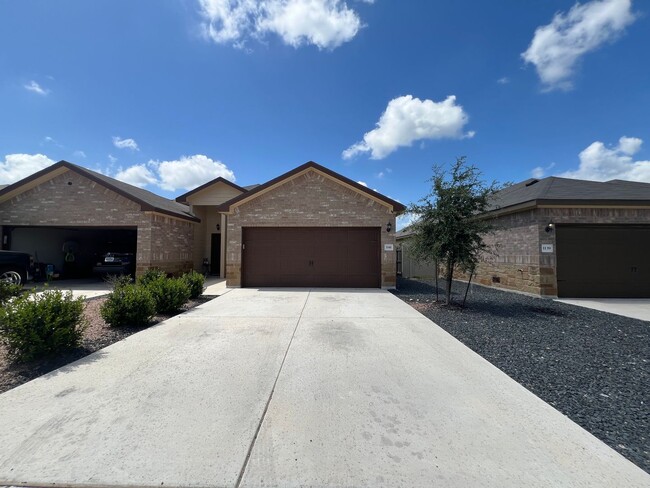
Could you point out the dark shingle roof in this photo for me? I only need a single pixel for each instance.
(147, 200)
(558, 191)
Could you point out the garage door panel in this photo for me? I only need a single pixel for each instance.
(603, 261)
(311, 256)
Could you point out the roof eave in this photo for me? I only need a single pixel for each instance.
(226, 207)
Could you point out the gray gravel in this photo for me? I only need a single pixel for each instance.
(592, 366)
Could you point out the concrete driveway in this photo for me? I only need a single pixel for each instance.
(294, 388)
(636, 308)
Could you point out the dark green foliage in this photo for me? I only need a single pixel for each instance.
(36, 325)
(195, 281)
(119, 281)
(150, 275)
(170, 294)
(128, 304)
(8, 290)
(451, 222)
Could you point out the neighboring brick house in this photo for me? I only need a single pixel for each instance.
(570, 238)
(308, 227)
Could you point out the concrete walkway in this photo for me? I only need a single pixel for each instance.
(294, 388)
(636, 308)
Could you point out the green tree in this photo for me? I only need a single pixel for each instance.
(449, 229)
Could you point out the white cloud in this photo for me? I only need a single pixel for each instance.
(79, 154)
(125, 143)
(601, 163)
(540, 171)
(138, 175)
(34, 87)
(17, 166)
(363, 183)
(408, 119)
(556, 48)
(112, 159)
(537, 172)
(324, 23)
(503, 81)
(188, 172)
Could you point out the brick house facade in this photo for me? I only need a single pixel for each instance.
(517, 261)
(310, 199)
(180, 235)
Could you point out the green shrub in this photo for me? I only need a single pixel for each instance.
(170, 294)
(128, 304)
(8, 290)
(150, 275)
(195, 281)
(118, 281)
(42, 324)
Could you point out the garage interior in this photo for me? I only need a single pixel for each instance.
(83, 246)
(603, 261)
(311, 256)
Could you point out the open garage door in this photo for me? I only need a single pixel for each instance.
(72, 251)
(311, 256)
(601, 261)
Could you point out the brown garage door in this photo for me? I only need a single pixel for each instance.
(603, 261)
(311, 256)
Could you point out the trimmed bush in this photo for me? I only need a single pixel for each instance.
(118, 281)
(8, 290)
(38, 325)
(195, 281)
(170, 294)
(151, 275)
(128, 304)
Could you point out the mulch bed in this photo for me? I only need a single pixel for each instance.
(592, 366)
(97, 336)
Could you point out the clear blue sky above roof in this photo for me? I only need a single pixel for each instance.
(158, 94)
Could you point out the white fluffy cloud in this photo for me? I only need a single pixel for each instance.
(324, 23)
(363, 183)
(17, 166)
(189, 172)
(120, 143)
(408, 119)
(34, 87)
(138, 175)
(556, 48)
(601, 163)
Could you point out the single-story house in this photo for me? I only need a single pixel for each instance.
(568, 238)
(308, 227)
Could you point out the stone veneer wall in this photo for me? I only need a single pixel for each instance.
(310, 200)
(517, 259)
(73, 200)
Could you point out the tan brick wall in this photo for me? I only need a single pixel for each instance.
(72, 200)
(517, 259)
(168, 245)
(310, 200)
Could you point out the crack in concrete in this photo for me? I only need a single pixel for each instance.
(268, 402)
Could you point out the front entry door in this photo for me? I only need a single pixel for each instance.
(215, 255)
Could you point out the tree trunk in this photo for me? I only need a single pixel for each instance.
(449, 278)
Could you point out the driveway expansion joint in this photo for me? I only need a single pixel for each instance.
(268, 402)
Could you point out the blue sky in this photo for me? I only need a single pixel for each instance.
(167, 94)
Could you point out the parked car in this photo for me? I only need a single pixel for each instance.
(115, 263)
(15, 267)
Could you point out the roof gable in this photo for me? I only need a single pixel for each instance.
(227, 207)
(217, 181)
(147, 200)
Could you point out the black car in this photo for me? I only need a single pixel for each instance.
(15, 267)
(115, 263)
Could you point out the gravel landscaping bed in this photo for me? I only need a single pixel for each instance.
(592, 366)
(97, 336)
